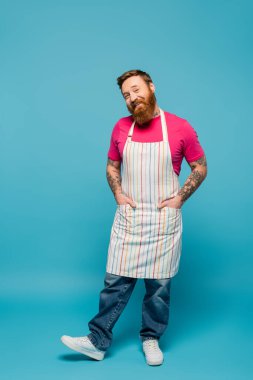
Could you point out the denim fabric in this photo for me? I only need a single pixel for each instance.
(113, 299)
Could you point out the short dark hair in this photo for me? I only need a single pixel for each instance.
(132, 73)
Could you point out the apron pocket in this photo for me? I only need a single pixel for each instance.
(173, 209)
(172, 220)
(124, 221)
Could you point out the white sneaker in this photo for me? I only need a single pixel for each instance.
(83, 344)
(153, 354)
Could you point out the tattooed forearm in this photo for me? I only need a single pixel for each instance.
(113, 176)
(201, 161)
(191, 184)
(198, 174)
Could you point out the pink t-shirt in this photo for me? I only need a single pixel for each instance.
(183, 139)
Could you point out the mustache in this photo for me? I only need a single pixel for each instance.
(135, 104)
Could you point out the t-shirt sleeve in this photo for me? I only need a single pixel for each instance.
(192, 148)
(113, 152)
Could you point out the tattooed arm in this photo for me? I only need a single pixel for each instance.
(113, 176)
(197, 176)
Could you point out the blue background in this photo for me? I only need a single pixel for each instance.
(59, 102)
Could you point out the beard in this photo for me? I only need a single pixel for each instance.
(143, 109)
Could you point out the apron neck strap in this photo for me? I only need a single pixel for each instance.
(164, 128)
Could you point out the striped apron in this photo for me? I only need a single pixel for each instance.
(146, 242)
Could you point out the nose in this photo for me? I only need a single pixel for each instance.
(133, 96)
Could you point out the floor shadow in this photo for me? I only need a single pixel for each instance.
(74, 357)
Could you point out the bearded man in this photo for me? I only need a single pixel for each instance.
(144, 162)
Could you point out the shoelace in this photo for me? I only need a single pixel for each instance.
(83, 339)
(151, 343)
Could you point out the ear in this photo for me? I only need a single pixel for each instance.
(152, 87)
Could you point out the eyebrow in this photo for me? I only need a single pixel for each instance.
(134, 86)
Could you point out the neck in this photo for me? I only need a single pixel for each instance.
(156, 111)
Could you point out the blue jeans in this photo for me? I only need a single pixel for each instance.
(113, 299)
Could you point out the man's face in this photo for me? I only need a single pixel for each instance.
(139, 97)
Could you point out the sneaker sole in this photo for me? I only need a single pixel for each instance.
(69, 343)
(154, 363)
